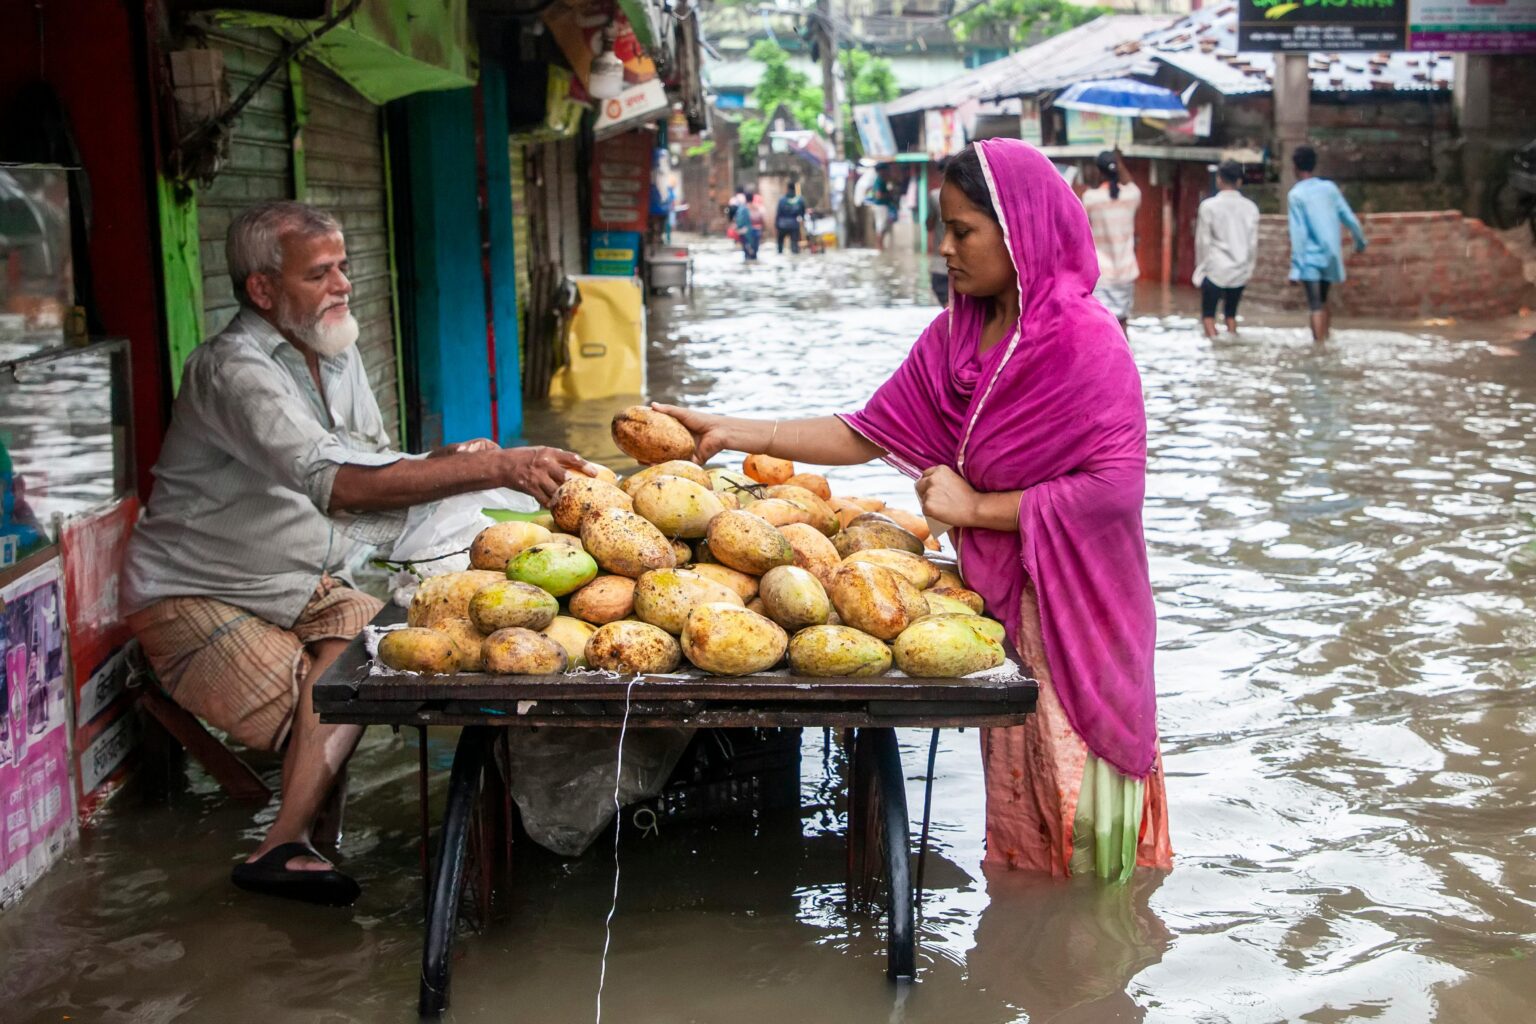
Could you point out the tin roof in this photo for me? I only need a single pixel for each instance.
(1203, 44)
(1051, 60)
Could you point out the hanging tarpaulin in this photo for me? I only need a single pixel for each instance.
(387, 48)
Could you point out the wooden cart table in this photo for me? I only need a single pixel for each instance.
(878, 829)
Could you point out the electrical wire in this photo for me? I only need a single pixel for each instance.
(618, 830)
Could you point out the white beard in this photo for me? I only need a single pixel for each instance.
(326, 340)
(330, 340)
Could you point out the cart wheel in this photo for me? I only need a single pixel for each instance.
(448, 878)
(879, 851)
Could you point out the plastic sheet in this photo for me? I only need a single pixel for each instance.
(437, 536)
(563, 779)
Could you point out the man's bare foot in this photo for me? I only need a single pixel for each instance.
(309, 862)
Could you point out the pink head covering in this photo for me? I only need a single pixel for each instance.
(1055, 411)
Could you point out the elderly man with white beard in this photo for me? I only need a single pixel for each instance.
(275, 475)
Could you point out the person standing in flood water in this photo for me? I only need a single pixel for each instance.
(1019, 413)
(1226, 247)
(1111, 209)
(1314, 209)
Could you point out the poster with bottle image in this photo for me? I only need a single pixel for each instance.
(37, 807)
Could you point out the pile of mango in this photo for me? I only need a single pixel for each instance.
(732, 571)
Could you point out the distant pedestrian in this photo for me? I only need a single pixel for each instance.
(789, 218)
(731, 210)
(1111, 209)
(1316, 208)
(749, 224)
(888, 192)
(1226, 246)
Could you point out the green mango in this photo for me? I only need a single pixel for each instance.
(558, 569)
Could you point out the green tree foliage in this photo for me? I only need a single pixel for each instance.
(870, 79)
(1022, 22)
(780, 83)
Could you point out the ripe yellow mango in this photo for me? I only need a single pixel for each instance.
(748, 543)
(626, 544)
(728, 640)
(448, 596)
(580, 496)
(649, 437)
(946, 647)
(522, 652)
(510, 603)
(418, 650)
(497, 544)
(677, 507)
(664, 597)
(794, 598)
(819, 651)
(633, 648)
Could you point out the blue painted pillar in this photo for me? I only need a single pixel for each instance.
(502, 293)
(449, 284)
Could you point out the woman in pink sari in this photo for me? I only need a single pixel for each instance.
(1019, 413)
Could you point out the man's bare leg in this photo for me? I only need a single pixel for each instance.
(316, 754)
(1231, 326)
(1319, 325)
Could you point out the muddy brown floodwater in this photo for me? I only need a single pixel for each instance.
(1338, 543)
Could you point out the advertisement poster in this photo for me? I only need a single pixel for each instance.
(105, 731)
(37, 820)
(621, 181)
(1473, 26)
(875, 136)
(942, 132)
(1335, 26)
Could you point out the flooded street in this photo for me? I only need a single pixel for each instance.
(1340, 546)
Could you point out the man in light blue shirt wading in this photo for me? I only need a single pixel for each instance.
(1316, 209)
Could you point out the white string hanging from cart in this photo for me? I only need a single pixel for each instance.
(618, 830)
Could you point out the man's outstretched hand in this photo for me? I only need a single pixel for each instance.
(541, 470)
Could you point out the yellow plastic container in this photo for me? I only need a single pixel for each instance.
(606, 341)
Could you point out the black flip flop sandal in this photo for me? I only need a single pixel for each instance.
(270, 877)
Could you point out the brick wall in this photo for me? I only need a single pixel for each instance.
(1427, 264)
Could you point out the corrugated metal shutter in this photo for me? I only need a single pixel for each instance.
(571, 229)
(343, 173)
(344, 168)
(260, 164)
(521, 253)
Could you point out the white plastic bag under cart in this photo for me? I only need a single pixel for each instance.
(437, 535)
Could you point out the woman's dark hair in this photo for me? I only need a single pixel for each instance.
(965, 173)
(1110, 168)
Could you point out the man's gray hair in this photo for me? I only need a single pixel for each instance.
(255, 241)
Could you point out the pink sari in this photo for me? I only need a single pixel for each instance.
(1054, 411)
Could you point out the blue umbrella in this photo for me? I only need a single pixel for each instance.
(1123, 97)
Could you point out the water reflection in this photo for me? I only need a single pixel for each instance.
(1338, 540)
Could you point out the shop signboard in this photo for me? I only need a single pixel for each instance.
(1334, 26)
(105, 729)
(1464, 26)
(37, 820)
(1472, 26)
(635, 105)
(621, 181)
